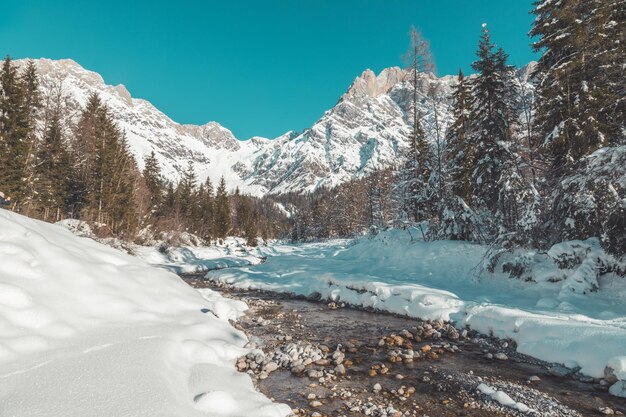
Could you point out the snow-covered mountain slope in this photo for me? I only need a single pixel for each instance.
(366, 130)
(213, 149)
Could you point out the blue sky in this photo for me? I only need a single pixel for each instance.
(257, 67)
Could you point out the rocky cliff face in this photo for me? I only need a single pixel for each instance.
(366, 130)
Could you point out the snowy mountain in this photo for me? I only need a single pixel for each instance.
(365, 130)
(213, 149)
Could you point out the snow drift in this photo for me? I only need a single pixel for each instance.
(88, 330)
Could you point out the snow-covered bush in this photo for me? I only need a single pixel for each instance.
(577, 265)
(77, 227)
(457, 221)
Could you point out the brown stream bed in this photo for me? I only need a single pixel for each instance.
(441, 382)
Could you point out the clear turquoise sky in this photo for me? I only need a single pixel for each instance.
(258, 67)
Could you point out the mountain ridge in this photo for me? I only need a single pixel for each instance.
(365, 130)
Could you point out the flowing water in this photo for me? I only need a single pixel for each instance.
(444, 384)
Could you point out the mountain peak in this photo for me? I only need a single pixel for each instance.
(371, 85)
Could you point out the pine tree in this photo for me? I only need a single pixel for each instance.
(32, 104)
(83, 154)
(14, 133)
(580, 105)
(207, 206)
(53, 166)
(493, 116)
(186, 191)
(105, 171)
(580, 108)
(247, 221)
(222, 220)
(154, 182)
(169, 204)
(456, 219)
(459, 156)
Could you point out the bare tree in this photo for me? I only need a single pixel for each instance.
(414, 190)
(437, 101)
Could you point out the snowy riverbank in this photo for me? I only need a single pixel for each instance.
(88, 330)
(553, 318)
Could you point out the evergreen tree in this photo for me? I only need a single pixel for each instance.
(154, 182)
(105, 170)
(459, 156)
(581, 98)
(186, 191)
(32, 104)
(247, 221)
(14, 133)
(207, 206)
(493, 116)
(83, 154)
(222, 220)
(170, 200)
(456, 219)
(580, 106)
(53, 167)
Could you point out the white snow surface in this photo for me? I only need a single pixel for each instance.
(190, 259)
(503, 398)
(88, 330)
(441, 280)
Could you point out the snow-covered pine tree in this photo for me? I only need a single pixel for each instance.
(581, 99)
(493, 116)
(610, 58)
(455, 218)
(459, 155)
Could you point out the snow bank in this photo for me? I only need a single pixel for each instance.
(88, 330)
(189, 259)
(503, 398)
(446, 280)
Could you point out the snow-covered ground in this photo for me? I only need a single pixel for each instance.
(88, 330)
(191, 259)
(552, 321)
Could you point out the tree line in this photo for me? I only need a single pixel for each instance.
(54, 170)
(517, 165)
